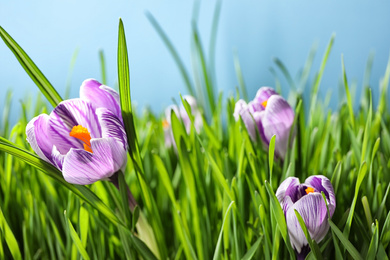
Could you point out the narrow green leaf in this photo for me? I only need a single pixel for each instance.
(103, 67)
(84, 225)
(125, 97)
(349, 99)
(271, 154)
(9, 237)
(75, 238)
(348, 245)
(173, 52)
(81, 191)
(251, 252)
(371, 254)
(32, 70)
(218, 247)
(279, 216)
(313, 245)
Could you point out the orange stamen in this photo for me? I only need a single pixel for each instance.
(165, 123)
(309, 190)
(264, 103)
(82, 134)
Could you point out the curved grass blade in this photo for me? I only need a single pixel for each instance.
(313, 245)
(349, 99)
(347, 245)
(279, 216)
(251, 252)
(81, 191)
(285, 72)
(103, 67)
(125, 97)
(32, 70)
(76, 239)
(173, 52)
(217, 252)
(372, 250)
(9, 237)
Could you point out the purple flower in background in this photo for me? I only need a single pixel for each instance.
(306, 198)
(83, 137)
(181, 114)
(267, 114)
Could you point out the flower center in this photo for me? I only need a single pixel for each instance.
(82, 134)
(165, 123)
(264, 103)
(309, 190)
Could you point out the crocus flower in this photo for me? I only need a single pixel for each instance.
(266, 115)
(83, 137)
(181, 113)
(306, 198)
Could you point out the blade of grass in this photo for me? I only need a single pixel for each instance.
(75, 238)
(9, 237)
(32, 70)
(347, 245)
(218, 247)
(172, 50)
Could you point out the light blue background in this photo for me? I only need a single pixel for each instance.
(50, 32)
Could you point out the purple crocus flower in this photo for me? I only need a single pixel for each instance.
(267, 114)
(181, 113)
(83, 137)
(306, 198)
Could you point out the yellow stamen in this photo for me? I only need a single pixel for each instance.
(264, 103)
(309, 190)
(165, 123)
(82, 134)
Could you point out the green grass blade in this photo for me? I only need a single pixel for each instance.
(322, 67)
(103, 67)
(348, 245)
(9, 237)
(218, 247)
(173, 52)
(279, 216)
(251, 252)
(75, 238)
(374, 243)
(313, 245)
(125, 96)
(349, 99)
(239, 75)
(285, 72)
(32, 70)
(81, 191)
(84, 225)
(271, 154)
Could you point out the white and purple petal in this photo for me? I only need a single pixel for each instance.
(111, 126)
(241, 110)
(65, 116)
(82, 167)
(263, 94)
(277, 120)
(321, 183)
(287, 191)
(100, 95)
(38, 136)
(312, 209)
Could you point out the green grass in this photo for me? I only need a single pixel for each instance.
(213, 197)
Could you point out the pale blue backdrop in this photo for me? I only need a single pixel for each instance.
(51, 31)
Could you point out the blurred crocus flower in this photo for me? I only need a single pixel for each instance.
(181, 113)
(267, 114)
(306, 198)
(83, 137)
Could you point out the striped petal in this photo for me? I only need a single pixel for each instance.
(263, 94)
(313, 210)
(278, 120)
(100, 95)
(68, 114)
(241, 110)
(285, 191)
(321, 183)
(38, 136)
(111, 126)
(82, 167)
